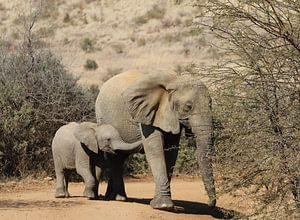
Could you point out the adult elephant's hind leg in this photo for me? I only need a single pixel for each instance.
(61, 191)
(60, 184)
(153, 145)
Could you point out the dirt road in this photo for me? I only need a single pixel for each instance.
(35, 201)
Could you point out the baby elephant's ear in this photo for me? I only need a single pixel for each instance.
(86, 135)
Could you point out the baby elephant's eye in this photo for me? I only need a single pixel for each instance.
(108, 139)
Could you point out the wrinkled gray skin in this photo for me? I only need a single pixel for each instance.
(156, 108)
(82, 147)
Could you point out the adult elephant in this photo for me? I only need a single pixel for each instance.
(156, 107)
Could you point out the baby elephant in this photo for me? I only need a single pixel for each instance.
(81, 147)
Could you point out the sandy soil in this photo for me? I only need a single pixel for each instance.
(36, 201)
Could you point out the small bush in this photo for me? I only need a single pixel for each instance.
(90, 65)
(178, 2)
(186, 162)
(50, 10)
(118, 47)
(190, 68)
(2, 8)
(89, 1)
(141, 42)
(111, 72)
(66, 41)
(95, 18)
(172, 37)
(87, 45)
(136, 164)
(155, 12)
(15, 35)
(5, 44)
(45, 32)
(140, 20)
(169, 23)
(67, 18)
(195, 31)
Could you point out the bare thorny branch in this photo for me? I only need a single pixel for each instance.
(257, 85)
(33, 17)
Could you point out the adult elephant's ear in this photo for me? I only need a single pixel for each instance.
(148, 102)
(85, 133)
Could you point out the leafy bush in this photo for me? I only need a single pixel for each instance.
(118, 47)
(186, 162)
(67, 18)
(90, 65)
(37, 96)
(141, 42)
(87, 45)
(155, 12)
(136, 164)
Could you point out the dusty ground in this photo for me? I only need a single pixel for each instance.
(35, 200)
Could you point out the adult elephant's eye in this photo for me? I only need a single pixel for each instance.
(188, 106)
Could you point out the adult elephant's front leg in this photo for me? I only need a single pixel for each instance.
(153, 145)
(171, 147)
(116, 188)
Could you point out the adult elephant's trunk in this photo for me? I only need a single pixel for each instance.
(201, 125)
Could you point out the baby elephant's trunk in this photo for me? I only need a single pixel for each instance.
(121, 145)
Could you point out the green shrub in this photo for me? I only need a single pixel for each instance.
(186, 162)
(67, 18)
(136, 164)
(172, 37)
(37, 96)
(155, 12)
(90, 65)
(87, 45)
(118, 47)
(140, 20)
(141, 42)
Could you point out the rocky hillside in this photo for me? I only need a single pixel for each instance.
(99, 38)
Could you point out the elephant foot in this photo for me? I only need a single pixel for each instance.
(117, 197)
(61, 193)
(162, 203)
(212, 202)
(89, 193)
(120, 198)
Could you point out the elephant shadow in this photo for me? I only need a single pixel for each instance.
(196, 208)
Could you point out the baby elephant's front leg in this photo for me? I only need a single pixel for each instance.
(90, 182)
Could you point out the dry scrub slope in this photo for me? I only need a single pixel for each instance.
(122, 34)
